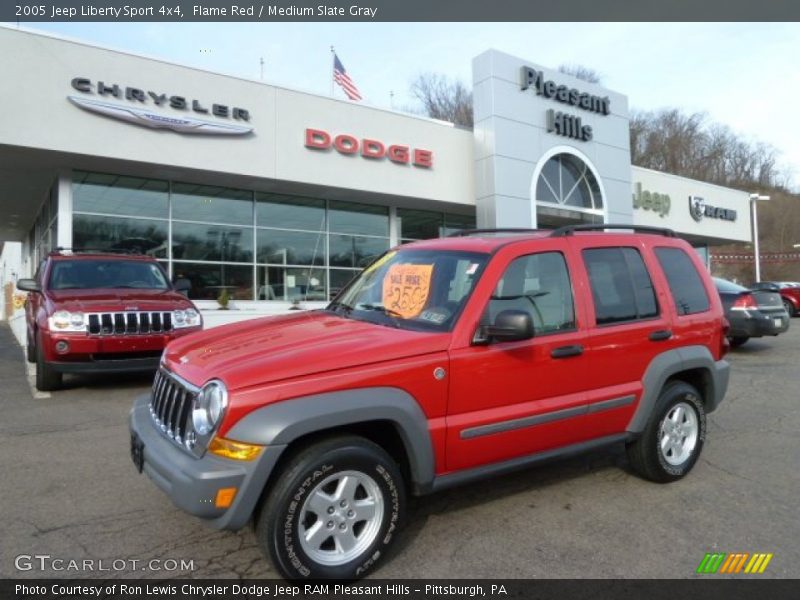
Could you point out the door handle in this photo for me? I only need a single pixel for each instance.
(660, 335)
(567, 351)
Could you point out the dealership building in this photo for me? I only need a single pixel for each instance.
(278, 196)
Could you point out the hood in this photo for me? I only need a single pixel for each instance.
(109, 300)
(266, 350)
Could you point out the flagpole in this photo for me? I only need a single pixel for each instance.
(333, 64)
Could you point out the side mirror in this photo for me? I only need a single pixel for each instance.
(28, 285)
(182, 285)
(510, 326)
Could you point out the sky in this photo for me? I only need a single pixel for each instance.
(743, 75)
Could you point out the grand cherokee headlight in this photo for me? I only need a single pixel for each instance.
(209, 406)
(186, 318)
(63, 320)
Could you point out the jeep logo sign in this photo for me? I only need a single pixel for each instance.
(699, 209)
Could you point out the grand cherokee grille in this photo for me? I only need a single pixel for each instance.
(171, 405)
(124, 323)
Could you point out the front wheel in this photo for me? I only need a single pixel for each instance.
(47, 378)
(673, 438)
(334, 511)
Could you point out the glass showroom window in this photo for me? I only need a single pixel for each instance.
(213, 225)
(116, 213)
(291, 245)
(359, 233)
(425, 224)
(567, 181)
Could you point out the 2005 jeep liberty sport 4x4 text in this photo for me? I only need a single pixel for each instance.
(444, 361)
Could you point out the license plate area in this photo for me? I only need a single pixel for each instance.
(778, 322)
(137, 452)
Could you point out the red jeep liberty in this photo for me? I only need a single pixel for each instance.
(443, 362)
(90, 313)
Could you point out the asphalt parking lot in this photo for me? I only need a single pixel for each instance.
(69, 490)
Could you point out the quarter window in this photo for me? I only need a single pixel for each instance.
(621, 286)
(538, 284)
(685, 284)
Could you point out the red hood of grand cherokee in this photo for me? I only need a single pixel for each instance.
(275, 348)
(110, 300)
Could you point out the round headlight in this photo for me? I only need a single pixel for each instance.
(179, 316)
(76, 320)
(209, 406)
(192, 317)
(61, 319)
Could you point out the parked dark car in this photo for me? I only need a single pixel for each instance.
(751, 313)
(789, 291)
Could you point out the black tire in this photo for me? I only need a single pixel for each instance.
(279, 525)
(739, 341)
(646, 455)
(789, 307)
(30, 350)
(47, 378)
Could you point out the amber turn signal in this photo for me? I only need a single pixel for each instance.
(225, 497)
(233, 450)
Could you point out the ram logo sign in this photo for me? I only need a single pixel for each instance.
(156, 120)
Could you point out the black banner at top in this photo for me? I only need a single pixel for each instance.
(397, 10)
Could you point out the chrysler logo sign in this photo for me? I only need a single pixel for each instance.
(138, 111)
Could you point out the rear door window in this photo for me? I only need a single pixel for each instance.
(621, 287)
(685, 283)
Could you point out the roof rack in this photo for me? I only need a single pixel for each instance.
(468, 232)
(125, 252)
(570, 229)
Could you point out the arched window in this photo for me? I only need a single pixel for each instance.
(567, 181)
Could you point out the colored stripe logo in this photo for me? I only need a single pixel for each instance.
(734, 563)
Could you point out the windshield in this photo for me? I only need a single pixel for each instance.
(423, 290)
(88, 274)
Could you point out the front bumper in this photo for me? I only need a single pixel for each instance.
(192, 483)
(756, 323)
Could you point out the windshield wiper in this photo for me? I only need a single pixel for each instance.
(379, 308)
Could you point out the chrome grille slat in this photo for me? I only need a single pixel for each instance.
(170, 405)
(129, 322)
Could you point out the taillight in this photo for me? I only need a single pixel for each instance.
(724, 343)
(745, 302)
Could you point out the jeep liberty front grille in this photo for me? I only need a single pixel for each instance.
(124, 323)
(171, 405)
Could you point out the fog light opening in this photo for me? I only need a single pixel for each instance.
(62, 347)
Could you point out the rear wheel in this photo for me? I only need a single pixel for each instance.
(673, 438)
(334, 511)
(738, 340)
(47, 378)
(789, 307)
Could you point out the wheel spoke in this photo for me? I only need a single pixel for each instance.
(346, 490)
(365, 509)
(345, 540)
(318, 503)
(317, 533)
(679, 415)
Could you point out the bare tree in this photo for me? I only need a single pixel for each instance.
(444, 99)
(580, 72)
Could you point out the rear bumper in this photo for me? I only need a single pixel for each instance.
(757, 323)
(721, 375)
(192, 483)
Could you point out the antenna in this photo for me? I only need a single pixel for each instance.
(261, 61)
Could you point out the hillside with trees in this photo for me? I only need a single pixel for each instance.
(690, 145)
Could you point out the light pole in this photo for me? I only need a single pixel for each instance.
(754, 199)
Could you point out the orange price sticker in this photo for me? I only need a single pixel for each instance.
(406, 289)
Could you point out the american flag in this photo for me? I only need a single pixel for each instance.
(341, 77)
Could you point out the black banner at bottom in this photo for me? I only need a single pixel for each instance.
(396, 589)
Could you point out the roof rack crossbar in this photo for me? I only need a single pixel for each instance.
(468, 232)
(570, 229)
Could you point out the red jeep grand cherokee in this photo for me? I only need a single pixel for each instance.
(101, 313)
(443, 362)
